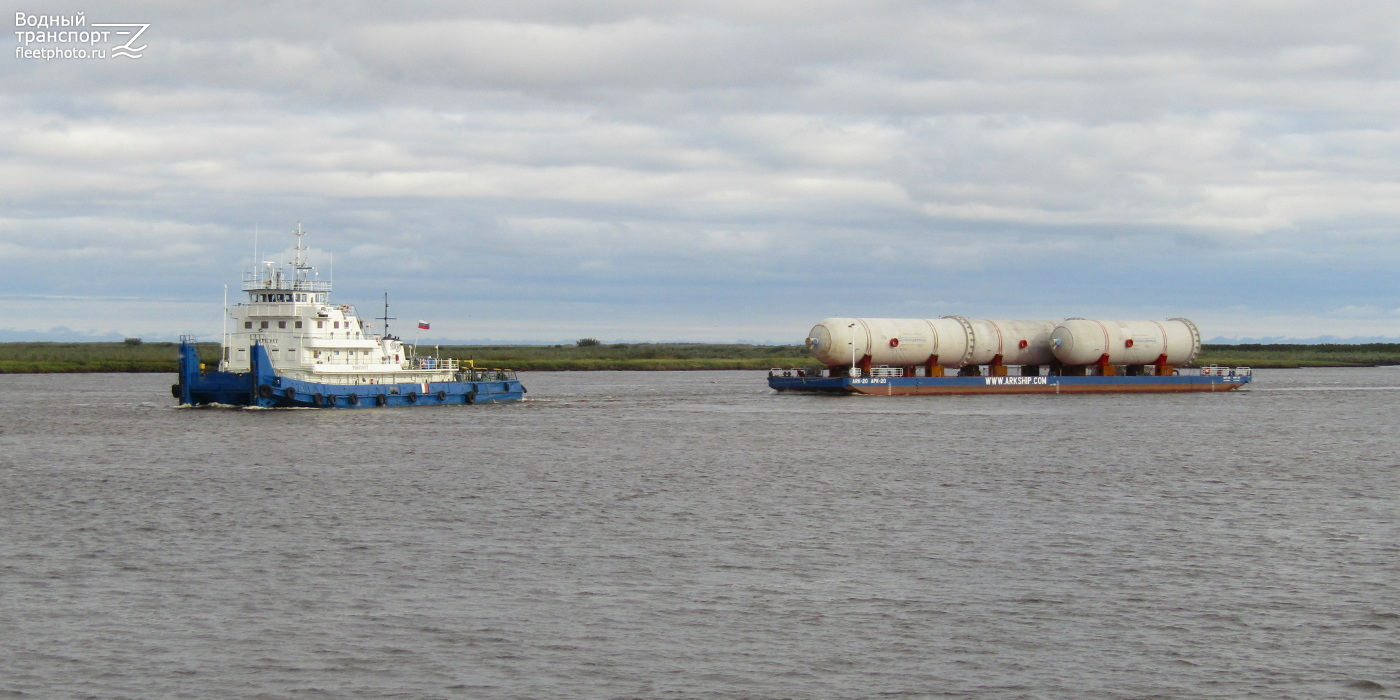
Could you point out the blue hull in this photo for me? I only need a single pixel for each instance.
(263, 387)
(1048, 384)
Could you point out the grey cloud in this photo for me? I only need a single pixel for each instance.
(697, 157)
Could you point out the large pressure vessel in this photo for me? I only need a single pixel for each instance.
(951, 341)
(1079, 341)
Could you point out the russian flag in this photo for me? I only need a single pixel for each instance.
(423, 325)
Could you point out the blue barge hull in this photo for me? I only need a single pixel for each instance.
(1043, 384)
(262, 386)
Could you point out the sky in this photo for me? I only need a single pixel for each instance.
(517, 171)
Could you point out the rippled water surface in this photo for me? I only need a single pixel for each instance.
(637, 534)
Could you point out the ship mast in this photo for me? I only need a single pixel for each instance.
(386, 318)
(301, 270)
(300, 261)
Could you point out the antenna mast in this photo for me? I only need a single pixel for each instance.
(223, 342)
(386, 318)
(300, 261)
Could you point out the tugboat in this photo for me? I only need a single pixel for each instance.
(290, 347)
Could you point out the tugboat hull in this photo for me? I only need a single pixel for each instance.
(263, 387)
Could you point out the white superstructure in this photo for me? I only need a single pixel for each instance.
(310, 339)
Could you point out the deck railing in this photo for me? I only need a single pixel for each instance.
(253, 281)
(435, 363)
(487, 375)
(1217, 371)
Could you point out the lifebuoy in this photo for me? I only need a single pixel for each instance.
(381, 400)
(894, 342)
(1128, 343)
(1023, 344)
(412, 397)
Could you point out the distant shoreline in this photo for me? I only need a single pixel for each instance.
(105, 357)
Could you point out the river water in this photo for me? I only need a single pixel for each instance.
(694, 535)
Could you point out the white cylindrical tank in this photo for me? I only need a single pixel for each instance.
(1078, 341)
(844, 341)
(952, 341)
(1017, 342)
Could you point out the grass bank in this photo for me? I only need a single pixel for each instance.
(1286, 355)
(96, 357)
(161, 357)
(631, 356)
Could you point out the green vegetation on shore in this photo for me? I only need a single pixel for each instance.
(1298, 355)
(135, 356)
(630, 356)
(163, 357)
(97, 357)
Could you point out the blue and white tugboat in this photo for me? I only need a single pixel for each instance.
(291, 347)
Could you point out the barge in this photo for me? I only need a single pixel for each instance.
(1206, 379)
(957, 355)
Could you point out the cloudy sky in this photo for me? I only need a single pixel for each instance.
(711, 170)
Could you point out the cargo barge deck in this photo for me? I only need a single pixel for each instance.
(890, 384)
(959, 355)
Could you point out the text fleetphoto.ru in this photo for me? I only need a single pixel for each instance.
(50, 37)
